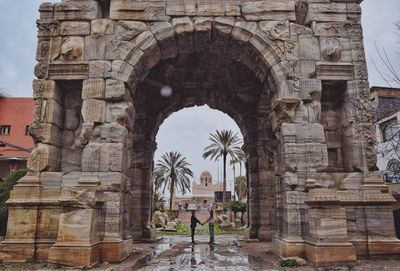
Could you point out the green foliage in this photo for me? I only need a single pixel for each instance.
(223, 143)
(238, 206)
(289, 263)
(5, 187)
(241, 187)
(158, 201)
(172, 171)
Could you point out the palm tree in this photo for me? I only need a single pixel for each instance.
(223, 143)
(173, 171)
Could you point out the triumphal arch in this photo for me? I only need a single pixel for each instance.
(284, 70)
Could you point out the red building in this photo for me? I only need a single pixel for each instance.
(15, 141)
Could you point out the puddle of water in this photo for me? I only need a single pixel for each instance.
(205, 257)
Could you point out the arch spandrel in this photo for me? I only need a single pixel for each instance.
(95, 164)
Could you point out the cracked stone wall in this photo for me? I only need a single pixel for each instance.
(284, 70)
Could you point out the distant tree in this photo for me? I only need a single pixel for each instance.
(5, 187)
(173, 171)
(238, 207)
(223, 143)
(241, 187)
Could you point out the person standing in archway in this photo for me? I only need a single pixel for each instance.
(211, 222)
(193, 224)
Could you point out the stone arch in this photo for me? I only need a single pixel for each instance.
(91, 68)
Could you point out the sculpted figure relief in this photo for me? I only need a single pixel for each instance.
(301, 12)
(72, 49)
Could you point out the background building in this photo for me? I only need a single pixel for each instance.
(203, 193)
(386, 110)
(15, 141)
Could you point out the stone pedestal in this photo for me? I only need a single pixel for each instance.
(79, 233)
(288, 247)
(116, 251)
(327, 239)
(265, 234)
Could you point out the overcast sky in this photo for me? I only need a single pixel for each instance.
(187, 130)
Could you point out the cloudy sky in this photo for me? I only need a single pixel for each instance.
(187, 130)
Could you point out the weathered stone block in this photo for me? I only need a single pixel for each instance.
(44, 157)
(115, 90)
(93, 110)
(302, 133)
(269, 10)
(95, 46)
(46, 89)
(77, 10)
(74, 28)
(122, 113)
(102, 27)
(93, 88)
(99, 68)
(143, 10)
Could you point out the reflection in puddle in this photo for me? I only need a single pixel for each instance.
(203, 256)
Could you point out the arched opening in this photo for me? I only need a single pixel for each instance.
(187, 132)
(196, 79)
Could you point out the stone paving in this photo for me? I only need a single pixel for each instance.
(230, 252)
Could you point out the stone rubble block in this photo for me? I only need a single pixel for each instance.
(121, 70)
(224, 25)
(100, 69)
(243, 31)
(50, 134)
(305, 156)
(71, 159)
(86, 132)
(181, 8)
(327, 12)
(122, 113)
(184, 29)
(274, 10)
(218, 8)
(71, 179)
(44, 158)
(140, 10)
(74, 28)
(46, 89)
(94, 110)
(103, 157)
(52, 112)
(46, 11)
(115, 90)
(102, 27)
(96, 46)
(110, 133)
(77, 226)
(51, 180)
(302, 133)
(77, 10)
(109, 181)
(162, 30)
(309, 48)
(93, 88)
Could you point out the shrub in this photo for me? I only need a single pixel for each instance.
(5, 187)
(289, 263)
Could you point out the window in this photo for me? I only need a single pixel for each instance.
(386, 101)
(27, 130)
(389, 129)
(5, 129)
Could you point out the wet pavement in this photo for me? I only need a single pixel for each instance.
(225, 254)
